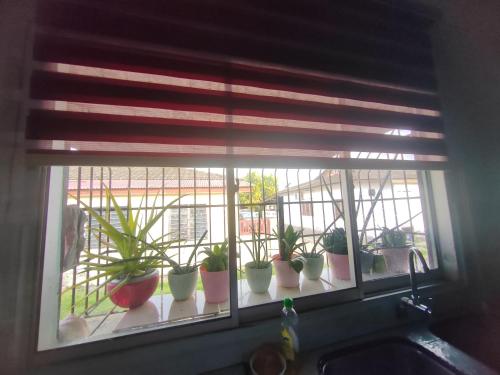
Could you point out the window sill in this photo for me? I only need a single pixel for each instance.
(162, 311)
(326, 283)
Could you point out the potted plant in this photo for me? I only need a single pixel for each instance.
(287, 264)
(314, 260)
(214, 273)
(335, 244)
(395, 250)
(367, 258)
(182, 279)
(259, 270)
(130, 268)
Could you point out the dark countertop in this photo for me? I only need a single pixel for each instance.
(417, 334)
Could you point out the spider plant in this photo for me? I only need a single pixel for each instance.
(288, 245)
(258, 250)
(133, 251)
(217, 258)
(179, 269)
(315, 253)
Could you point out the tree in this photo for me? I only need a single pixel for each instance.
(263, 189)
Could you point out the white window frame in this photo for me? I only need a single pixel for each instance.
(434, 181)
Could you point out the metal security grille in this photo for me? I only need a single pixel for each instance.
(202, 207)
(311, 200)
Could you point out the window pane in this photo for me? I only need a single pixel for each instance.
(391, 217)
(120, 265)
(310, 201)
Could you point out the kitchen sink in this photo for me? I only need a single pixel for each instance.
(390, 356)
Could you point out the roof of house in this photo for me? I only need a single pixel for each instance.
(144, 177)
(332, 176)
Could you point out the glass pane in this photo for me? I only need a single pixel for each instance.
(310, 203)
(135, 261)
(390, 218)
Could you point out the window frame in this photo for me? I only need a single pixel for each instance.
(237, 316)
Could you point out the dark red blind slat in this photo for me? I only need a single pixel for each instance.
(77, 127)
(69, 50)
(106, 22)
(308, 79)
(56, 86)
(293, 29)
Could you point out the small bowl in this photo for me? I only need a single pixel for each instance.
(282, 360)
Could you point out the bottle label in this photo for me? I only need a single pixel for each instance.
(287, 345)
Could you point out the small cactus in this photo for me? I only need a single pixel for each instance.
(393, 238)
(335, 241)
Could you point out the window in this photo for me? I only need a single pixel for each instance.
(191, 225)
(277, 197)
(250, 137)
(306, 208)
(82, 310)
(391, 199)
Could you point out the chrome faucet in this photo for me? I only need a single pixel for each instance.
(415, 300)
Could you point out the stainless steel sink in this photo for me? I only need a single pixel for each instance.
(391, 356)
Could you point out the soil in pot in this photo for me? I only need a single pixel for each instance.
(215, 285)
(396, 258)
(339, 264)
(286, 276)
(136, 292)
(313, 266)
(182, 285)
(258, 278)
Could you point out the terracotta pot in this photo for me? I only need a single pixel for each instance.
(313, 267)
(396, 259)
(215, 286)
(136, 292)
(339, 264)
(286, 275)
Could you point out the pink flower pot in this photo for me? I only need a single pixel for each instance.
(285, 275)
(339, 264)
(215, 286)
(136, 292)
(396, 259)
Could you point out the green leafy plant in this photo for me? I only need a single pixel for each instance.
(179, 269)
(393, 238)
(335, 241)
(313, 253)
(217, 258)
(258, 249)
(133, 252)
(288, 245)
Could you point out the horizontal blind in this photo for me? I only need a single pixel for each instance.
(239, 79)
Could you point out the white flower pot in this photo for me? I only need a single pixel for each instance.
(182, 285)
(258, 278)
(313, 267)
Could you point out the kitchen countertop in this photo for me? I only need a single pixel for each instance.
(417, 334)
